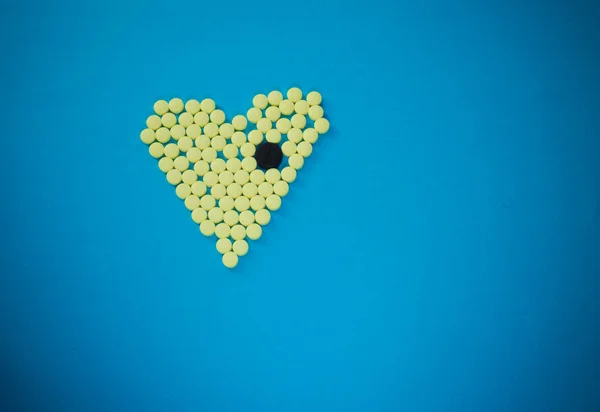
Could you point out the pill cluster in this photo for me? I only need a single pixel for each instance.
(232, 175)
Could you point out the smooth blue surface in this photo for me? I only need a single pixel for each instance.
(439, 252)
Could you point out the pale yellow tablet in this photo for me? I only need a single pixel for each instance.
(241, 177)
(215, 215)
(272, 113)
(176, 105)
(283, 125)
(249, 164)
(242, 203)
(310, 135)
(255, 137)
(249, 190)
(226, 204)
(192, 106)
(199, 215)
(186, 119)
(254, 231)
(260, 101)
(315, 112)
(201, 119)
(201, 167)
(281, 188)
(171, 150)
(192, 202)
(230, 260)
(262, 217)
(257, 176)
(239, 122)
(234, 164)
(295, 135)
(247, 149)
(209, 154)
(238, 139)
(156, 150)
(202, 142)
(273, 202)
(299, 121)
(265, 189)
(198, 188)
(218, 191)
(304, 149)
(230, 151)
(193, 131)
(189, 177)
(194, 154)
(286, 107)
(247, 217)
(322, 125)
(207, 228)
(272, 175)
(163, 135)
(218, 165)
(177, 131)
(226, 178)
(275, 97)
(254, 114)
(148, 136)
(240, 247)
(296, 161)
(222, 230)
(226, 130)
(207, 202)
(168, 120)
(314, 98)
(207, 105)
(231, 217)
(301, 107)
(257, 202)
(210, 179)
(238, 232)
(153, 122)
(273, 136)
(185, 143)
(165, 164)
(288, 148)
(218, 143)
(263, 125)
(181, 163)
(224, 246)
(161, 107)
(294, 94)
(211, 129)
(183, 190)
(217, 117)
(288, 174)
(234, 190)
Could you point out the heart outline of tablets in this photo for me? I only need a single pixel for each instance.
(188, 139)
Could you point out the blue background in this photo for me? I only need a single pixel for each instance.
(440, 251)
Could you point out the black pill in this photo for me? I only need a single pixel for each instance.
(268, 155)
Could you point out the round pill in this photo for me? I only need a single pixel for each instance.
(183, 190)
(322, 125)
(177, 131)
(283, 125)
(209, 154)
(263, 125)
(268, 155)
(254, 114)
(218, 143)
(238, 231)
(202, 142)
(217, 117)
(247, 217)
(207, 202)
(273, 202)
(194, 154)
(315, 112)
(198, 188)
(265, 189)
(286, 107)
(296, 161)
(234, 164)
(153, 122)
(207, 228)
(231, 217)
(249, 164)
(165, 164)
(230, 260)
(210, 179)
(257, 202)
(230, 151)
(241, 177)
(288, 148)
(156, 150)
(273, 113)
(218, 165)
(192, 202)
(295, 135)
(226, 130)
(257, 176)
(272, 175)
(192, 106)
(189, 177)
(242, 203)
(222, 230)
(201, 119)
(301, 107)
(234, 190)
(181, 163)
(299, 121)
(163, 135)
(288, 174)
(186, 119)
(239, 122)
(314, 98)
(238, 139)
(218, 191)
(255, 137)
(281, 188)
(224, 246)
(226, 177)
(148, 136)
(310, 135)
(176, 105)
(161, 107)
(304, 149)
(199, 215)
(249, 190)
(275, 97)
(211, 129)
(215, 214)
(240, 247)
(185, 143)
(207, 105)
(248, 149)
(226, 204)
(260, 101)
(273, 136)
(262, 217)
(168, 120)
(294, 94)
(201, 167)
(254, 231)
(171, 150)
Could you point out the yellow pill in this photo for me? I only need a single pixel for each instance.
(315, 112)
(226, 204)
(322, 125)
(207, 105)
(275, 97)
(240, 247)
(254, 231)
(272, 113)
(217, 117)
(273, 136)
(296, 161)
(239, 122)
(226, 130)
(230, 260)
(210, 179)
(193, 131)
(260, 101)
(192, 106)
(234, 164)
(257, 176)
(177, 131)
(314, 98)
(192, 202)
(249, 164)
(218, 165)
(238, 139)
(294, 94)
(174, 177)
(288, 174)
(255, 137)
(250, 190)
(273, 202)
(226, 178)
(241, 177)
(201, 119)
(198, 188)
(153, 122)
(168, 120)
(304, 149)
(238, 232)
(211, 129)
(176, 105)
(218, 191)
(148, 136)
(230, 151)
(199, 215)
(165, 164)
(299, 121)
(194, 154)
(183, 190)
(247, 217)
(189, 177)
(207, 228)
(171, 150)
(242, 203)
(286, 107)
(222, 230)
(254, 114)
(288, 148)
(186, 119)
(209, 154)
(248, 150)
(301, 107)
(281, 188)
(310, 135)
(283, 125)
(181, 163)
(257, 202)
(156, 150)
(163, 135)
(215, 215)
(161, 107)
(272, 175)
(231, 217)
(218, 143)
(201, 167)
(185, 143)
(207, 202)
(295, 135)
(224, 246)
(234, 190)
(263, 125)
(262, 217)
(202, 142)
(265, 189)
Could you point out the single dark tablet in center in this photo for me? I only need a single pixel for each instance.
(268, 155)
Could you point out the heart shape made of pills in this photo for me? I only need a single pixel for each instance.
(230, 174)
